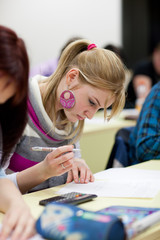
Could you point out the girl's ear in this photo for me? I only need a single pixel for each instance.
(72, 76)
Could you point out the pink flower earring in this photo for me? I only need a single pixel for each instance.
(67, 99)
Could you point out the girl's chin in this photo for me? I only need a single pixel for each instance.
(73, 120)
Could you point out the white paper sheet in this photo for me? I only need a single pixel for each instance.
(120, 182)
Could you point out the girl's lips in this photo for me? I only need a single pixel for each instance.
(80, 118)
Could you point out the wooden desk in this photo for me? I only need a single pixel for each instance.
(152, 233)
(98, 139)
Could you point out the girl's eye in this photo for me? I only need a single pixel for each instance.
(91, 103)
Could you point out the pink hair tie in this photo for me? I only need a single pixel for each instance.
(90, 46)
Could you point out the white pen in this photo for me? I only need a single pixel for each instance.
(148, 221)
(49, 149)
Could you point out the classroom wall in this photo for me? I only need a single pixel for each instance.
(46, 25)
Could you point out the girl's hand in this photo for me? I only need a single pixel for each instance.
(80, 170)
(56, 163)
(18, 222)
(59, 161)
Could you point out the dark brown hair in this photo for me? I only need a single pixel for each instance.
(13, 113)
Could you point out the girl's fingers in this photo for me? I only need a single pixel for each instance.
(55, 161)
(28, 231)
(5, 232)
(69, 177)
(61, 158)
(8, 225)
(65, 157)
(60, 151)
(89, 176)
(18, 231)
(92, 178)
(65, 167)
(19, 225)
(82, 175)
(75, 173)
(82, 171)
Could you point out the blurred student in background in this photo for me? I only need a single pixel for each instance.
(145, 75)
(121, 54)
(48, 67)
(87, 78)
(141, 143)
(119, 51)
(14, 68)
(144, 140)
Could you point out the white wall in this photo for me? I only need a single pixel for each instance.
(46, 25)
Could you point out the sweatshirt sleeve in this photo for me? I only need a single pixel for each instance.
(13, 178)
(2, 173)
